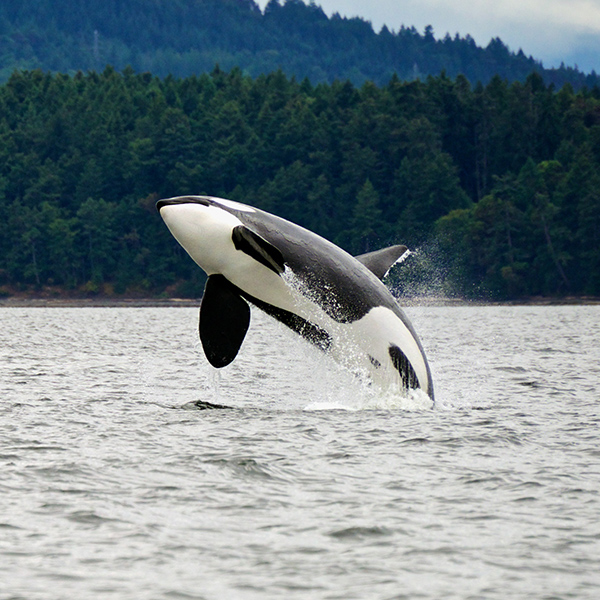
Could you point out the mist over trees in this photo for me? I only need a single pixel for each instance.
(503, 176)
(187, 37)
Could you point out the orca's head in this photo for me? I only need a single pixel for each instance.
(203, 226)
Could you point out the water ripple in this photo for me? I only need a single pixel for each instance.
(115, 485)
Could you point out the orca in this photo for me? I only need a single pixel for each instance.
(334, 300)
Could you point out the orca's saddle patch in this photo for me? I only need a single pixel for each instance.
(224, 321)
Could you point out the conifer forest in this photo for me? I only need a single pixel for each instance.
(494, 183)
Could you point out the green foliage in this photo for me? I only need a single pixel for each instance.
(365, 222)
(187, 37)
(504, 175)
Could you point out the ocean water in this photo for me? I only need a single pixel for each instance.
(114, 485)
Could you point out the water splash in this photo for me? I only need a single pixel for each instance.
(415, 400)
(427, 277)
(341, 379)
(298, 375)
(340, 388)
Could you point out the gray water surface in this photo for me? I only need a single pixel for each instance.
(113, 485)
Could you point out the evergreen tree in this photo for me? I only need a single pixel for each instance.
(83, 160)
(366, 231)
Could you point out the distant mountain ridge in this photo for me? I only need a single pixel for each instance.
(184, 37)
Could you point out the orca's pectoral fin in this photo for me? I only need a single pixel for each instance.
(381, 261)
(258, 248)
(224, 321)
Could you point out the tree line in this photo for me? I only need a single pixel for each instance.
(501, 178)
(186, 37)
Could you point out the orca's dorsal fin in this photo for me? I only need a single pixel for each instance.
(258, 248)
(224, 321)
(381, 261)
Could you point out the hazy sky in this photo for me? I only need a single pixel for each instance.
(550, 30)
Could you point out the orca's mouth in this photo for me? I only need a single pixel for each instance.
(182, 200)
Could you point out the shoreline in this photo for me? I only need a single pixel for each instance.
(104, 302)
(407, 302)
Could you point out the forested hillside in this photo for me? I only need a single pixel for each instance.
(504, 177)
(185, 37)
